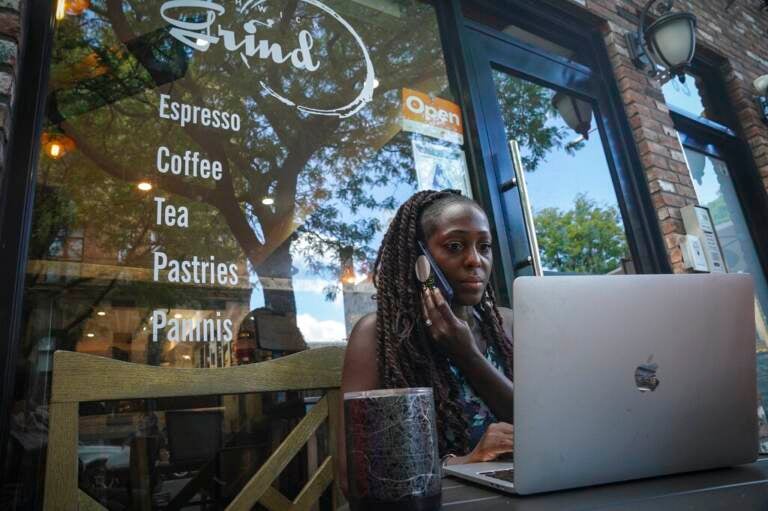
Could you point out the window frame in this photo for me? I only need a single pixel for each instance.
(728, 144)
(17, 191)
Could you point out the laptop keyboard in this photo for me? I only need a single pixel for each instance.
(507, 474)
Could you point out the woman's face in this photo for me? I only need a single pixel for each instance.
(461, 246)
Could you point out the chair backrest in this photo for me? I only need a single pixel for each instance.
(194, 436)
(78, 377)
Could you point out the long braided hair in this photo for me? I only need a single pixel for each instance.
(406, 355)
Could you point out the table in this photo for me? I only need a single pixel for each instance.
(738, 488)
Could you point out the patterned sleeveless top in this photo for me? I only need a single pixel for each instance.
(476, 413)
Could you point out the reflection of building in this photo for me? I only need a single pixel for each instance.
(358, 301)
(109, 305)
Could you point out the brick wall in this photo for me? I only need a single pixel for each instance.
(10, 36)
(739, 36)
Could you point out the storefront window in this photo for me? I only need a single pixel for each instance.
(691, 97)
(714, 189)
(214, 182)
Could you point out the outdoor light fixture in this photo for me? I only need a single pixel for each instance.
(668, 43)
(576, 113)
(761, 86)
(56, 145)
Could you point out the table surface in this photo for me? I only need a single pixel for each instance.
(738, 488)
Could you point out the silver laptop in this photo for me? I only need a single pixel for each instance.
(625, 377)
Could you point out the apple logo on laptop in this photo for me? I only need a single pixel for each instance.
(645, 376)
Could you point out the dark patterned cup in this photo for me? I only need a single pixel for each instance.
(392, 456)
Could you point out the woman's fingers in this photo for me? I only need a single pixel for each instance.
(437, 324)
(443, 307)
(503, 435)
(497, 440)
(424, 310)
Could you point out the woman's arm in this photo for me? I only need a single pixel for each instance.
(456, 338)
(361, 372)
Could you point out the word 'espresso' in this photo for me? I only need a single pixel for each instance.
(185, 113)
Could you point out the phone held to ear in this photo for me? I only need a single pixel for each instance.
(432, 276)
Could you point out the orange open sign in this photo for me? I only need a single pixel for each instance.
(434, 117)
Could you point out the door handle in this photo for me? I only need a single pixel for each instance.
(533, 244)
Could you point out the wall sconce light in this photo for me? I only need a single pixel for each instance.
(576, 113)
(761, 87)
(665, 48)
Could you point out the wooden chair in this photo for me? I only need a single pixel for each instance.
(79, 377)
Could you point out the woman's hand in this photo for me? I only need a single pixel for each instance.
(451, 334)
(498, 439)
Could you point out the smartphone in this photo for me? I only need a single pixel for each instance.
(440, 281)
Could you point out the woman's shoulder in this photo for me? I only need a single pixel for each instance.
(365, 325)
(360, 363)
(363, 335)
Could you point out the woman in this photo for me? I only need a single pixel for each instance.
(416, 339)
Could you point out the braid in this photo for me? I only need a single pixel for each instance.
(492, 329)
(406, 357)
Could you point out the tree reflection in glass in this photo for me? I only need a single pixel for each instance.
(299, 193)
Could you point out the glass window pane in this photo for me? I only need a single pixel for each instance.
(214, 182)
(691, 97)
(714, 189)
(574, 205)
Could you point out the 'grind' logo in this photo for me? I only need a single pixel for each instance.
(197, 32)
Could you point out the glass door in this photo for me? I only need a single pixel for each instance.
(564, 205)
(569, 204)
(714, 186)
